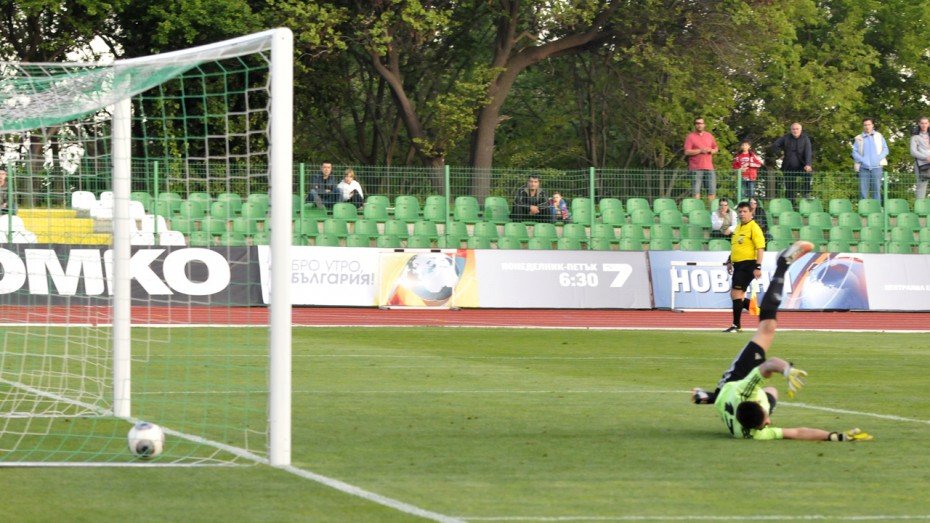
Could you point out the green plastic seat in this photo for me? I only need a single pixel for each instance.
(466, 209)
(820, 219)
(345, 211)
(567, 243)
(693, 232)
(259, 201)
(485, 230)
(898, 248)
(781, 233)
(537, 243)
(700, 218)
(434, 208)
(253, 211)
(908, 220)
(923, 236)
(897, 206)
(144, 198)
(872, 235)
(306, 226)
(922, 207)
(637, 203)
(661, 244)
(407, 209)
(378, 199)
(396, 228)
(875, 219)
(202, 197)
(671, 217)
(581, 211)
(545, 230)
(840, 233)
(777, 245)
(849, 219)
(691, 244)
(601, 244)
(517, 230)
(168, 203)
(812, 234)
(719, 244)
(663, 204)
(838, 206)
(809, 206)
(629, 244)
(233, 200)
(200, 239)
(367, 228)
(923, 248)
(633, 232)
(642, 217)
(574, 230)
(661, 231)
(192, 210)
(387, 241)
(222, 210)
(903, 235)
(602, 230)
(358, 240)
(233, 239)
(613, 216)
(869, 247)
(777, 206)
(419, 242)
(496, 209)
(248, 227)
(326, 240)
(792, 219)
(839, 246)
(509, 243)
(451, 241)
(214, 226)
(184, 225)
(868, 205)
(376, 211)
(336, 227)
(264, 238)
(609, 203)
(479, 242)
(692, 204)
(456, 229)
(426, 229)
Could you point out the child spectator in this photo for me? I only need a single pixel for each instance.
(559, 208)
(350, 190)
(748, 163)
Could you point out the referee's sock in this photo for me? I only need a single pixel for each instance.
(737, 311)
(746, 303)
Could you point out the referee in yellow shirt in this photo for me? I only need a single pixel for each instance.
(745, 261)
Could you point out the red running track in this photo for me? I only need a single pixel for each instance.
(549, 318)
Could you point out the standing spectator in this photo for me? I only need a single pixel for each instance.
(748, 164)
(869, 151)
(745, 261)
(5, 204)
(700, 147)
(758, 216)
(531, 203)
(920, 150)
(559, 208)
(723, 220)
(796, 165)
(323, 188)
(350, 190)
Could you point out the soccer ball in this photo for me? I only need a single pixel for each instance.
(146, 440)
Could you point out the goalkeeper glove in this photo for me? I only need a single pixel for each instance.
(795, 381)
(850, 435)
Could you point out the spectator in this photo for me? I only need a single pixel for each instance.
(869, 150)
(759, 217)
(796, 164)
(5, 203)
(559, 208)
(700, 147)
(531, 204)
(723, 220)
(748, 164)
(920, 150)
(323, 188)
(350, 190)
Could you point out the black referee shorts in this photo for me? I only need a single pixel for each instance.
(742, 274)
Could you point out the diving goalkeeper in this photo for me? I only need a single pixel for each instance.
(742, 402)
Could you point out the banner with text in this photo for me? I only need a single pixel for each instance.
(343, 276)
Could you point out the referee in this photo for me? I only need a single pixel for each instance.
(745, 261)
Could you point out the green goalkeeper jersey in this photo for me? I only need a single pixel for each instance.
(736, 392)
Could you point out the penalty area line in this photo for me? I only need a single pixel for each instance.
(767, 517)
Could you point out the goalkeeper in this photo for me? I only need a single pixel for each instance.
(742, 402)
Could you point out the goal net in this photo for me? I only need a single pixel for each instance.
(136, 199)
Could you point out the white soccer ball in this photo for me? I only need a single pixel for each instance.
(146, 440)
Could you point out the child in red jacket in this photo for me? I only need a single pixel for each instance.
(748, 163)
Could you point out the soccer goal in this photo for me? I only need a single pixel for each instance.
(138, 196)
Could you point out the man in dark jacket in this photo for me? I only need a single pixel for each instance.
(796, 165)
(323, 188)
(531, 203)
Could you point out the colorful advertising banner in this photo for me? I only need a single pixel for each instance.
(343, 276)
(424, 278)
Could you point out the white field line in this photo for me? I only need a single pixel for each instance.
(770, 517)
(341, 486)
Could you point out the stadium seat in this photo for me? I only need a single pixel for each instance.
(613, 216)
(896, 206)
(777, 206)
(326, 240)
(396, 228)
(922, 207)
(875, 219)
(849, 219)
(173, 200)
(839, 246)
(545, 230)
(629, 244)
(367, 228)
(258, 200)
(434, 209)
(633, 232)
(387, 241)
(200, 239)
(574, 230)
(662, 204)
(838, 206)
(137, 196)
(233, 200)
(923, 236)
(336, 227)
(485, 230)
(345, 211)
(700, 218)
(456, 229)
(903, 235)
(719, 244)
(602, 230)
(609, 203)
(233, 239)
(778, 245)
(140, 238)
(812, 234)
(509, 243)
(538, 243)
(466, 209)
(809, 206)
(83, 200)
(152, 223)
(249, 227)
(264, 238)
(637, 203)
(517, 230)
(872, 234)
(642, 216)
(214, 226)
(171, 238)
(376, 211)
(781, 233)
(479, 242)
(898, 248)
(867, 206)
(791, 219)
(600, 244)
(820, 219)
(693, 232)
(923, 248)
(692, 204)
(307, 226)
(671, 217)
(253, 211)
(426, 229)
(378, 199)
(661, 231)
(909, 220)
(690, 244)
(451, 241)
(496, 210)
(182, 225)
(582, 211)
(419, 242)
(840, 233)
(222, 210)
(661, 244)
(869, 247)
(569, 244)
(192, 210)
(406, 209)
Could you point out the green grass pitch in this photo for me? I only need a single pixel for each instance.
(534, 425)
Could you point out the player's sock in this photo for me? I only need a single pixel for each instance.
(737, 311)
(772, 298)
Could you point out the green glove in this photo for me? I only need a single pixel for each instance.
(795, 381)
(851, 435)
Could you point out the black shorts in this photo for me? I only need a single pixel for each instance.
(749, 358)
(743, 274)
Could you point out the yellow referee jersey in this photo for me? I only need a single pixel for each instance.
(746, 239)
